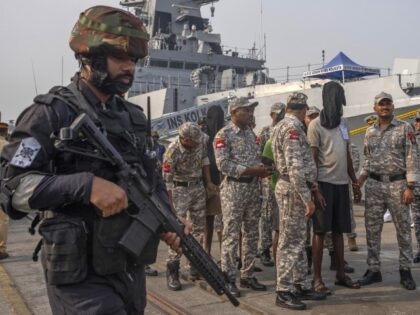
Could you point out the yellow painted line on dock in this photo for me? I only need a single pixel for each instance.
(409, 114)
(12, 295)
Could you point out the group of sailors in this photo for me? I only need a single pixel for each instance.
(266, 192)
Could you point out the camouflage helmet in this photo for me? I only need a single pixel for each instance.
(103, 30)
(190, 130)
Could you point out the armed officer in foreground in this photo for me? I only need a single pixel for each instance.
(86, 272)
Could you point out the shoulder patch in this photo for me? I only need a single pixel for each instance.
(166, 167)
(294, 134)
(26, 153)
(412, 136)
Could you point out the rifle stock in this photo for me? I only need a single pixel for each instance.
(154, 216)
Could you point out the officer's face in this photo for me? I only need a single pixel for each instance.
(188, 144)
(417, 124)
(243, 116)
(385, 108)
(121, 68)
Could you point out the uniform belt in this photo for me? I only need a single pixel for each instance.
(241, 179)
(387, 178)
(287, 179)
(186, 184)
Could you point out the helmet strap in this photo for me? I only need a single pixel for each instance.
(100, 77)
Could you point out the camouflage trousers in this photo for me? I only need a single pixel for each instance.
(381, 196)
(328, 236)
(291, 258)
(266, 219)
(190, 201)
(241, 211)
(218, 222)
(415, 212)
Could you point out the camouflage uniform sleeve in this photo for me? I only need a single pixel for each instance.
(169, 162)
(355, 156)
(294, 152)
(366, 152)
(411, 160)
(263, 137)
(224, 161)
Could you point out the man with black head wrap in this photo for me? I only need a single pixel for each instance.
(329, 139)
(215, 121)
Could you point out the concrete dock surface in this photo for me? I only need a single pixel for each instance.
(22, 288)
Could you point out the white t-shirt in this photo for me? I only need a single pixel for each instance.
(332, 146)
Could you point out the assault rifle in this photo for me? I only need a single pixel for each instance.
(154, 216)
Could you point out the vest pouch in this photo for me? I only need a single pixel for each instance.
(108, 257)
(64, 253)
(149, 254)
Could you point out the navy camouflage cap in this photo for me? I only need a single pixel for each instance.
(296, 100)
(312, 110)
(382, 96)
(102, 30)
(277, 108)
(190, 130)
(240, 102)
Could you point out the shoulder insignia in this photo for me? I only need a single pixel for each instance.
(294, 134)
(166, 167)
(412, 136)
(220, 143)
(257, 140)
(26, 153)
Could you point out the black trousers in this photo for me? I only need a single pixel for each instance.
(118, 294)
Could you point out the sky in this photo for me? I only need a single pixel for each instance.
(34, 53)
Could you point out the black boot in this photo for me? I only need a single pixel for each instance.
(333, 264)
(306, 294)
(172, 276)
(370, 277)
(407, 280)
(253, 284)
(416, 259)
(309, 258)
(266, 258)
(289, 300)
(231, 286)
(194, 274)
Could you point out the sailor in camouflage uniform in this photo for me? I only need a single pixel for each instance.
(238, 160)
(391, 168)
(297, 174)
(185, 165)
(268, 199)
(415, 206)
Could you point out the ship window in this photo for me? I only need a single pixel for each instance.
(239, 70)
(215, 48)
(176, 64)
(158, 63)
(197, 21)
(191, 65)
(162, 22)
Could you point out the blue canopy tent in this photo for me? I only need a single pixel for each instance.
(341, 68)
